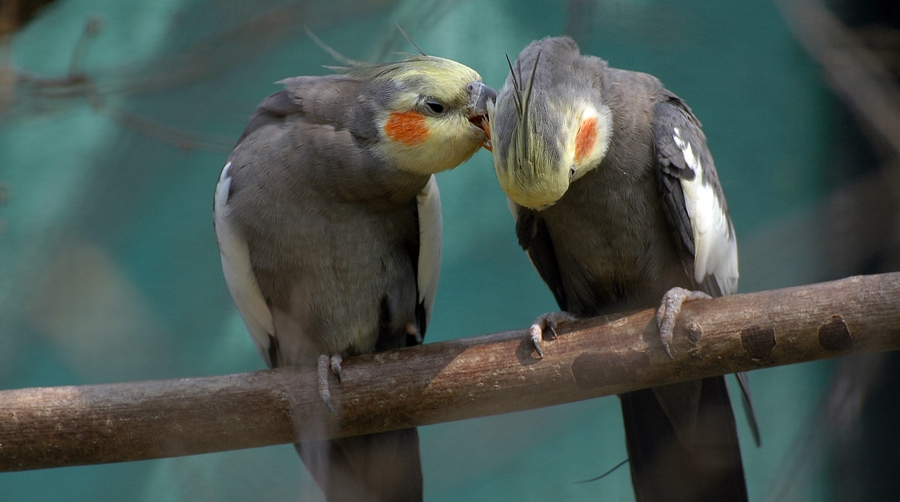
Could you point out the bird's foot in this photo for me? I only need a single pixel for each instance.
(546, 322)
(668, 310)
(336, 361)
(326, 364)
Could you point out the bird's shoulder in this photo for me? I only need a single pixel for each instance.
(330, 100)
(314, 132)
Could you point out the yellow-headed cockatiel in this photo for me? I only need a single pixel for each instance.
(328, 220)
(618, 205)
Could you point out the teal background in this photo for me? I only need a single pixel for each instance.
(109, 270)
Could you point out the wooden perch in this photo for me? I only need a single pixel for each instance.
(441, 382)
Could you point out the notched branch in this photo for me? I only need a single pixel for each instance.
(446, 381)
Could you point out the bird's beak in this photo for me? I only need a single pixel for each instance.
(481, 96)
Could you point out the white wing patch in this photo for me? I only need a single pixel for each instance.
(430, 239)
(715, 248)
(239, 273)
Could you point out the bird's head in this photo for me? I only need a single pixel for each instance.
(431, 112)
(547, 130)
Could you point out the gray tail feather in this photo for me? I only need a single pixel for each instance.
(372, 468)
(705, 468)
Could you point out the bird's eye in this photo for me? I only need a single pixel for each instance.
(435, 106)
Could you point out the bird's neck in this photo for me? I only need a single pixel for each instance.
(377, 184)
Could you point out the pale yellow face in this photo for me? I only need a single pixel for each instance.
(539, 164)
(433, 124)
(526, 177)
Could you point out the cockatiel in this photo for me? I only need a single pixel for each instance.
(327, 216)
(617, 202)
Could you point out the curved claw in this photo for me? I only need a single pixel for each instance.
(549, 322)
(665, 344)
(668, 311)
(336, 360)
(551, 325)
(322, 374)
(536, 334)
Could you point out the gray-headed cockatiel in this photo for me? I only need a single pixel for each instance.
(328, 220)
(617, 201)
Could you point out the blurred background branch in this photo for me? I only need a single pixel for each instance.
(859, 76)
(24, 94)
(861, 64)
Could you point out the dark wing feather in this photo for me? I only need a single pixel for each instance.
(535, 240)
(692, 198)
(701, 467)
(695, 208)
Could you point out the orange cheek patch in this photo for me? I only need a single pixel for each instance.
(585, 139)
(408, 128)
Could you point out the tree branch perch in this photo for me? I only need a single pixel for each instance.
(446, 381)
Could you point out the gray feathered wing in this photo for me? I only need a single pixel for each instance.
(695, 207)
(372, 467)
